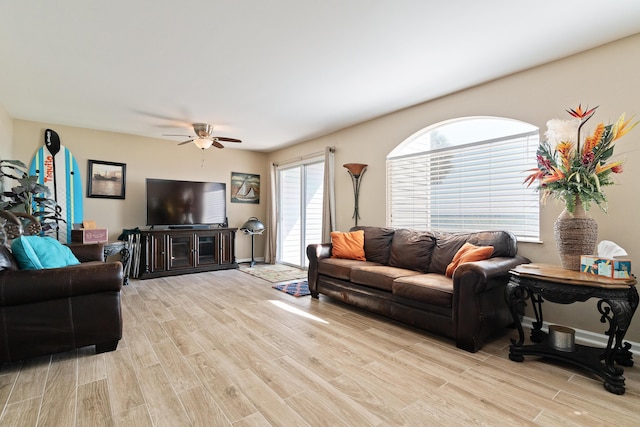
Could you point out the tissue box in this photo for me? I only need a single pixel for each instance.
(95, 235)
(606, 267)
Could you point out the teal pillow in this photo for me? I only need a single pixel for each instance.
(35, 253)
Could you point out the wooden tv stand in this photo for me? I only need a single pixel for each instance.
(170, 252)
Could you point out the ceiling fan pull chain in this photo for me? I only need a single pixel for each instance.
(202, 161)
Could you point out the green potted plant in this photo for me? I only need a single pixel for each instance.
(27, 195)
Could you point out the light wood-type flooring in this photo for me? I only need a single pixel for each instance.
(223, 348)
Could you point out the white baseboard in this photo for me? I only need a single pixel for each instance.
(585, 337)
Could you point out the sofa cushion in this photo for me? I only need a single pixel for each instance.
(412, 249)
(377, 243)
(379, 277)
(468, 253)
(504, 242)
(340, 268)
(35, 252)
(447, 244)
(348, 245)
(431, 288)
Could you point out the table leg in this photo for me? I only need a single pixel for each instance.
(619, 314)
(125, 256)
(623, 355)
(515, 296)
(536, 333)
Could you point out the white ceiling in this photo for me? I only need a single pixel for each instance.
(274, 72)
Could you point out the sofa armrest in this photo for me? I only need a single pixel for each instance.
(87, 252)
(316, 252)
(479, 304)
(479, 273)
(29, 286)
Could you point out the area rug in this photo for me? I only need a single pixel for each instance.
(297, 289)
(275, 273)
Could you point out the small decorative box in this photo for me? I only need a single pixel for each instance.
(95, 235)
(606, 267)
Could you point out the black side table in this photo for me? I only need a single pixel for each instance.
(618, 300)
(122, 248)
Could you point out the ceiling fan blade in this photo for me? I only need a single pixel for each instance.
(186, 142)
(217, 144)
(221, 138)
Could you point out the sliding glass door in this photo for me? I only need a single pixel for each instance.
(300, 190)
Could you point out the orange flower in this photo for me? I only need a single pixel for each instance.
(591, 141)
(622, 127)
(565, 149)
(556, 175)
(615, 165)
(536, 175)
(579, 113)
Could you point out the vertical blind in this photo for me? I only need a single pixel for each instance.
(300, 193)
(470, 187)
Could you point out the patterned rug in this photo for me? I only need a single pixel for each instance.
(297, 289)
(275, 273)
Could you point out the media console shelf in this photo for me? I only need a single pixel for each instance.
(170, 252)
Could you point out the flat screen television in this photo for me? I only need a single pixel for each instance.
(185, 203)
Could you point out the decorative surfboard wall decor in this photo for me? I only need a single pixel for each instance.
(58, 170)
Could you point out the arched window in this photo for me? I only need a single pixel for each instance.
(465, 174)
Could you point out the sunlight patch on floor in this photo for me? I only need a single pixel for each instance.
(297, 311)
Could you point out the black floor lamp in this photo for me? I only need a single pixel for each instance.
(356, 171)
(252, 227)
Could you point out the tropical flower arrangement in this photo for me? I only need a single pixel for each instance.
(572, 170)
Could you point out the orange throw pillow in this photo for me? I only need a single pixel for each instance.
(469, 253)
(348, 245)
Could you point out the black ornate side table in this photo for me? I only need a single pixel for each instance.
(122, 248)
(617, 302)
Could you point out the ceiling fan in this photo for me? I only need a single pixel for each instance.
(203, 138)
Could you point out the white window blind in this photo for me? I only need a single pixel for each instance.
(300, 191)
(472, 186)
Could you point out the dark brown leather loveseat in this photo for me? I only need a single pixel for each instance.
(403, 278)
(59, 309)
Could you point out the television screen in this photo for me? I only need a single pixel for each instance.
(172, 202)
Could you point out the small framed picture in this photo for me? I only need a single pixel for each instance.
(245, 188)
(106, 179)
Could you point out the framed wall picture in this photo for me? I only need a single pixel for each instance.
(106, 179)
(245, 188)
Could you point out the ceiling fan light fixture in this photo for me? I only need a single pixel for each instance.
(203, 138)
(203, 143)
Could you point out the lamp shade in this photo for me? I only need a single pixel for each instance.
(252, 226)
(355, 168)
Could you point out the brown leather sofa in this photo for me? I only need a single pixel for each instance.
(59, 309)
(403, 278)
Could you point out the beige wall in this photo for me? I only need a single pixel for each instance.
(6, 134)
(147, 158)
(6, 140)
(605, 76)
